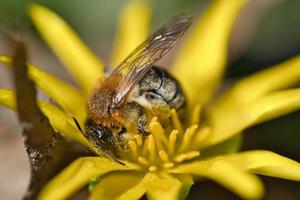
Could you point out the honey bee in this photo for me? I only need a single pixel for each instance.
(122, 104)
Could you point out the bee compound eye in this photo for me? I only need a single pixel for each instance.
(151, 96)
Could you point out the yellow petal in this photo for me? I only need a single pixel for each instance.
(63, 123)
(60, 121)
(274, 105)
(68, 97)
(266, 163)
(79, 60)
(187, 182)
(236, 118)
(7, 98)
(233, 178)
(261, 83)
(119, 185)
(164, 186)
(76, 175)
(133, 29)
(201, 61)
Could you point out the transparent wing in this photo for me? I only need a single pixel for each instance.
(137, 64)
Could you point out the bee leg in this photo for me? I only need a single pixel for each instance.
(112, 157)
(142, 125)
(120, 139)
(77, 124)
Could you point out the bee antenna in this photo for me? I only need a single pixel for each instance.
(77, 124)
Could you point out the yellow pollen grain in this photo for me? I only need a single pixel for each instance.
(138, 139)
(133, 148)
(143, 161)
(151, 147)
(164, 156)
(172, 141)
(195, 118)
(187, 138)
(168, 165)
(175, 120)
(186, 156)
(152, 168)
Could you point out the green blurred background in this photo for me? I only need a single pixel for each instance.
(267, 32)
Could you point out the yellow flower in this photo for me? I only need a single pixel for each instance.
(166, 164)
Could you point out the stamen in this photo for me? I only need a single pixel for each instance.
(164, 156)
(176, 121)
(186, 156)
(152, 168)
(172, 141)
(187, 138)
(138, 139)
(143, 161)
(151, 147)
(133, 148)
(195, 118)
(168, 165)
(161, 149)
(158, 132)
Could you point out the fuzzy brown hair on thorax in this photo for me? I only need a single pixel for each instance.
(99, 101)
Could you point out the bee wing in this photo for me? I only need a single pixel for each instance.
(137, 64)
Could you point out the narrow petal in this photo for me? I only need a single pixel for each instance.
(67, 96)
(76, 175)
(231, 177)
(187, 182)
(133, 28)
(63, 123)
(164, 186)
(274, 105)
(266, 81)
(60, 121)
(201, 61)
(79, 60)
(266, 163)
(7, 99)
(119, 185)
(249, 101)
(236, 118)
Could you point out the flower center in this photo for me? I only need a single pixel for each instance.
(163, 149)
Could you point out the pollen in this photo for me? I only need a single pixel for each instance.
(163, 149)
